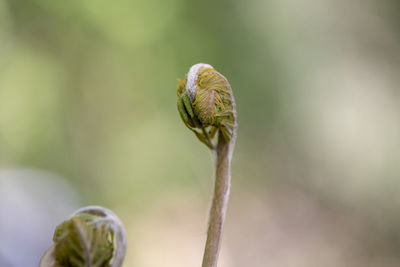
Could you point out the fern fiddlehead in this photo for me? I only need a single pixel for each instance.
(207, 107)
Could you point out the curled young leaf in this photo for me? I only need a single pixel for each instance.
(92, 237)
(206, 104)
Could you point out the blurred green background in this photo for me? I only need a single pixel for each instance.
(88, 99)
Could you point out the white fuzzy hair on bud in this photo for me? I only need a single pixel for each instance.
(192, 77)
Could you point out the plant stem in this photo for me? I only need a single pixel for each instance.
(223, 152)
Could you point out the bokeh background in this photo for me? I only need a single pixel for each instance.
(88, 116)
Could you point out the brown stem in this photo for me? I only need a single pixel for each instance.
(223, 151)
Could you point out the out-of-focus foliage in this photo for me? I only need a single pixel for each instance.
(87, 91)
(81, 243)
(91, 236)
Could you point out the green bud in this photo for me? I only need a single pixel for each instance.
(206, 104)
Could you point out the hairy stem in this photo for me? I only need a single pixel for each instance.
(219, 205)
